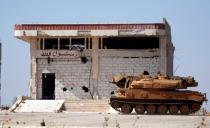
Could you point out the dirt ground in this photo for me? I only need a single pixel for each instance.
(63, 120)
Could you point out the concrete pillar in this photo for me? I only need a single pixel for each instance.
(95, 66)
(167, 52)
(33, 85)
(163, 55)
(171, 49)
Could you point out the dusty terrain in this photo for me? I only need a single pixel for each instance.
(10, 120)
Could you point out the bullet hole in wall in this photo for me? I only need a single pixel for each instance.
(85, 89)
(71, 88)
(112, 93)
(145, 73)
(49, 60)
(84, 59)
(64, 89)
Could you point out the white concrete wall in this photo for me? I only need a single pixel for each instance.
(122, 64)
(73, 74)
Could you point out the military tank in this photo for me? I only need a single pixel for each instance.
(156, 95)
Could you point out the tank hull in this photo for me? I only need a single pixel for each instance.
(148, 101)
(163, 94)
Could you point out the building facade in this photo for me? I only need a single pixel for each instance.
(0, 69)
(78, 61)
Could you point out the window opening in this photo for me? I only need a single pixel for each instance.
(90, 43)
(130, 42)
(64, 43)
(78, 43)
(41, 44)
(99, 43)
(50, 43)
(87, 43)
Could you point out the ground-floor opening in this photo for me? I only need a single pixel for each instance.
(48, 86)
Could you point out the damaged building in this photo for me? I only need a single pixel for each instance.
(78, 61)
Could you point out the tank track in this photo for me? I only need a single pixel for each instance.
(158, 107)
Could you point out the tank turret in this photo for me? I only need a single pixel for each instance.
(157, 82)
(162, 82)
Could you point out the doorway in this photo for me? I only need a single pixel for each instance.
(48, 86)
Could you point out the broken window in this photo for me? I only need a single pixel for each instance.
(78, 43)
(130, 42)
(64, 43)
(50, 43)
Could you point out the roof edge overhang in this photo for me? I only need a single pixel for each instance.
(89, 26)
(28, 32)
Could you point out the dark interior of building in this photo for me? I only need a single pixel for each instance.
(130, 43)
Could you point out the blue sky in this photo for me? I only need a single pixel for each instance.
(189, 20)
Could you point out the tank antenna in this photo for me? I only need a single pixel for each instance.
(177, 67)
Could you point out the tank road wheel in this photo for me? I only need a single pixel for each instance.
(195, 107)
(151, 109)
(185, 109)
(115, 104)
(140, 109)
(126, 108)
(162, 109)
(173, 109)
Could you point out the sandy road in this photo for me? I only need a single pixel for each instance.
(101, 120)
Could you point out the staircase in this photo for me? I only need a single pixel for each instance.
(86, 105)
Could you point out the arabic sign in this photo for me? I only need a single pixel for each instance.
(59, 53)
(131, 32)
(83, 33)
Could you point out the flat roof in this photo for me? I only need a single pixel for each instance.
(88, 26)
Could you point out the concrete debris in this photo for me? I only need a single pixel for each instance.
(18, 101)
(95, 120)
(42, 123)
